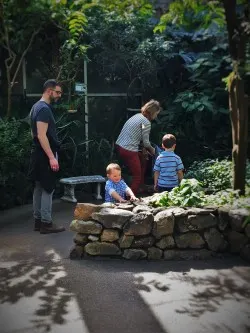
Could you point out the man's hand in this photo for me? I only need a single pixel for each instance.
(54, 164)
(156, 188)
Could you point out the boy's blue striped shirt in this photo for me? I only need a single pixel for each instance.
(168, 163)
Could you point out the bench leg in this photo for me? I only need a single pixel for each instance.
(98, 192)
(69, 193)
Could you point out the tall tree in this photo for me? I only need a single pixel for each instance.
(235, 16)
(238, 27)
(22, 21)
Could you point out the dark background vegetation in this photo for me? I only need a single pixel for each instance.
(182, 67)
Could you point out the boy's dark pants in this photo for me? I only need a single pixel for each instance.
(163, 189)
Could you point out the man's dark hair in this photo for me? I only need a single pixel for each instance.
(168, 141)
(51, 83)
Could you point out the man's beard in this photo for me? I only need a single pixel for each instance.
(53, 99)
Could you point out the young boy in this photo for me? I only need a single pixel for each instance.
(116, 189)
(168, 168)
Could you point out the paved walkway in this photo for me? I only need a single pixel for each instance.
(41, 290)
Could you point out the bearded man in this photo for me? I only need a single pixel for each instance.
(44, 157)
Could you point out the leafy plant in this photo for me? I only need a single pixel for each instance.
(214, 175)
(189, 193)
(192, 14)
(15, 143)
(234, 16)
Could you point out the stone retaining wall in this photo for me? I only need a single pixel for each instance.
(133, 231)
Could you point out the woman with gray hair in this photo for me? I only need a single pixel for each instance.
(137, 130)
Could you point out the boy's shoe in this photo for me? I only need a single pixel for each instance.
(37, 225)
(50, 228)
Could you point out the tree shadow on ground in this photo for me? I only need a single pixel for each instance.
(204, 292)
(214, 328)
(213, 290)
(141, 285)
(44, 281)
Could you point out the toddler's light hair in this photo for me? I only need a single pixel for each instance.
(111, 167)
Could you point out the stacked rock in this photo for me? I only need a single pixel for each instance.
(139, 231)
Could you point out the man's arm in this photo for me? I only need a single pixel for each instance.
(42, 137)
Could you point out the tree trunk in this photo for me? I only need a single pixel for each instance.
(8, 113)
(238, 100)
(238, 103)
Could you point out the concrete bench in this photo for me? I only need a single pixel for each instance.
(70, 183)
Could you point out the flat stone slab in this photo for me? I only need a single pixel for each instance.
(163, 223)
(139, 225)
(109, 235)
(237, 218)
(143, 242)
(154, 253)
(189, 240)
(141, 208)
(199, 222)
(86, 227)
(215, 240)
(83, 211)
(80, 239)
(134, 254)
(126, 241)
(112, 218)
(237, 241)
(166, 242)
(83, 180)
(102, 249)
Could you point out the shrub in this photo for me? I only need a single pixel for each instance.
(15, 142)
(214, 175)
(190, 193)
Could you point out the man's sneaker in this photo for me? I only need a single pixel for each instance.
(50, 228)
(37, 225)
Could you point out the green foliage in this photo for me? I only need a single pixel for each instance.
(225, 197)
(214, 175)
(183, 68)
(127, 7)
(190, 194)
(207, 92)
(193, 14)
(187, 194)
(15, 145)
(21, 19)
(15, 142)
(196, 110)
(123, 49)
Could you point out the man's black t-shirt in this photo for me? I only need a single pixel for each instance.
(41, 111)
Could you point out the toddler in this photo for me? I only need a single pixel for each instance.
(116, 189)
